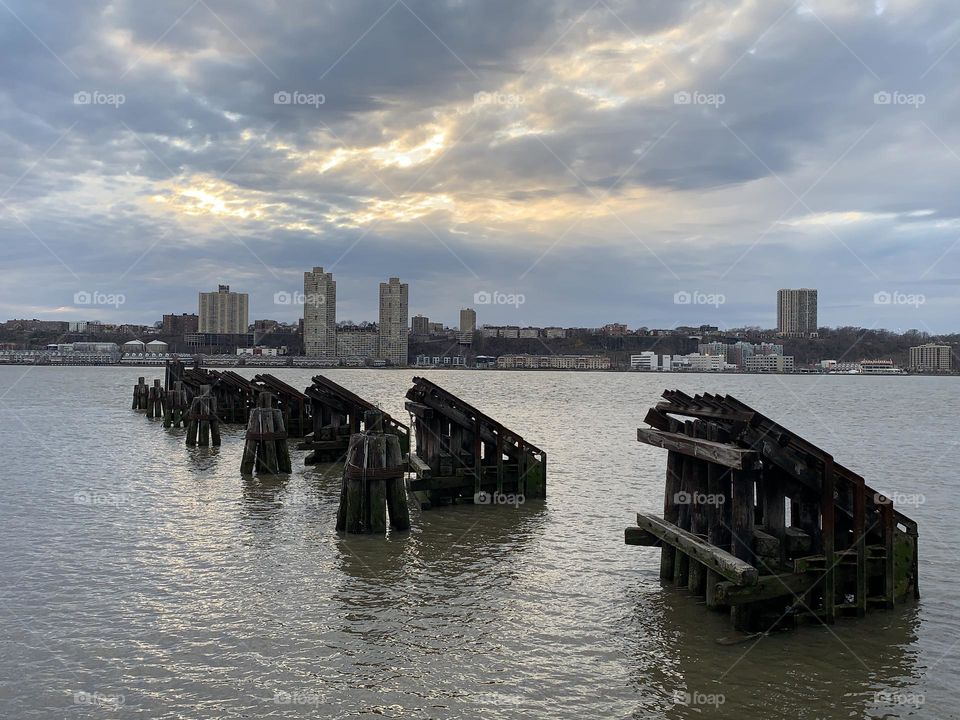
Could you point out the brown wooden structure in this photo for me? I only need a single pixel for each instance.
(464, 453)
(265, 449)
(293, 404)
(338, 413)
(761, 522)
(373, 481)
(235, 395)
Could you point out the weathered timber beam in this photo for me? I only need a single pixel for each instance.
(716, 559)
(459, 418)
(419, 409)
(767, 587)
(705, 413)
(418, 466)
(729, 456)
(639, 536)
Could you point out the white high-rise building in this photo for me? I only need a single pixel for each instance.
(319, 313)
(224, 312)
(394, 296)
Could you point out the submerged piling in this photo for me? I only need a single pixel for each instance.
(265, 450)
(372, 485)
(204, 425)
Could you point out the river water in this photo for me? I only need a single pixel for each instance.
(141, 578)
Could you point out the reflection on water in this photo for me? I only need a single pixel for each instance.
(148, 579)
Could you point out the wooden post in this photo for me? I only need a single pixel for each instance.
(671, 510)
(742, 513)
(774, 507)
(681, 565)
(718, 522)
(827, 515)
(265, 449)
(372, 483)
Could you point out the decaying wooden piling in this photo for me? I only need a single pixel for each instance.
(175, 408)
(293, 404)
(373, 484)
(265, 450)
(141, 395)
(464, 453)
(156, 399)
(337, 414)
(203, 426)
(766, 525)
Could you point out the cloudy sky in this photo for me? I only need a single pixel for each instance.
(590, 159)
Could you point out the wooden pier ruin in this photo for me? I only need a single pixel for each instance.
(293, 404)
(265, 449)
(337, 414)
(762, 523)
(464, 453)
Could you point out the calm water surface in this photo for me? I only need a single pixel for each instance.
(141, 578)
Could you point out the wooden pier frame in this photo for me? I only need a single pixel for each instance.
(294, 405)
(732, 474)
(338, 413)
(464, 453)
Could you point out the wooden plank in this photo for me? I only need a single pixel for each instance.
(717, 559)
(742, 514)
(721, 453)
(767, 587)
(639, 536)
(418, 466)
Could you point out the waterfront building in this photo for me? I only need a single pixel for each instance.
(797, 312)
(180, 325)
(394, 338)
(879, 367)
(770, 363)
(931, 358)
(319, 314)
(646, 360)
(223, 312)
(556, 362)
(468, 320)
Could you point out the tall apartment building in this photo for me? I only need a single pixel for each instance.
(420, 326)
(797, 312)
(180, 324)
(931, 357)
(393, 321)
(319, 314)
(468, 320)
(224, 312)
(357, 342)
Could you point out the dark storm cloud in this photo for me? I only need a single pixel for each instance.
(97, 189)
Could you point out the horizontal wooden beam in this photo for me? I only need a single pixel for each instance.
(422, 469)
(639, 536)
(729, 456)
(767, 587)
(720, 561)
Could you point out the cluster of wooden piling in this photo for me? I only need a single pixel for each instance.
(463, 453)
(766, 525)
(265, 449)
(203, 426)
(373, 481)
